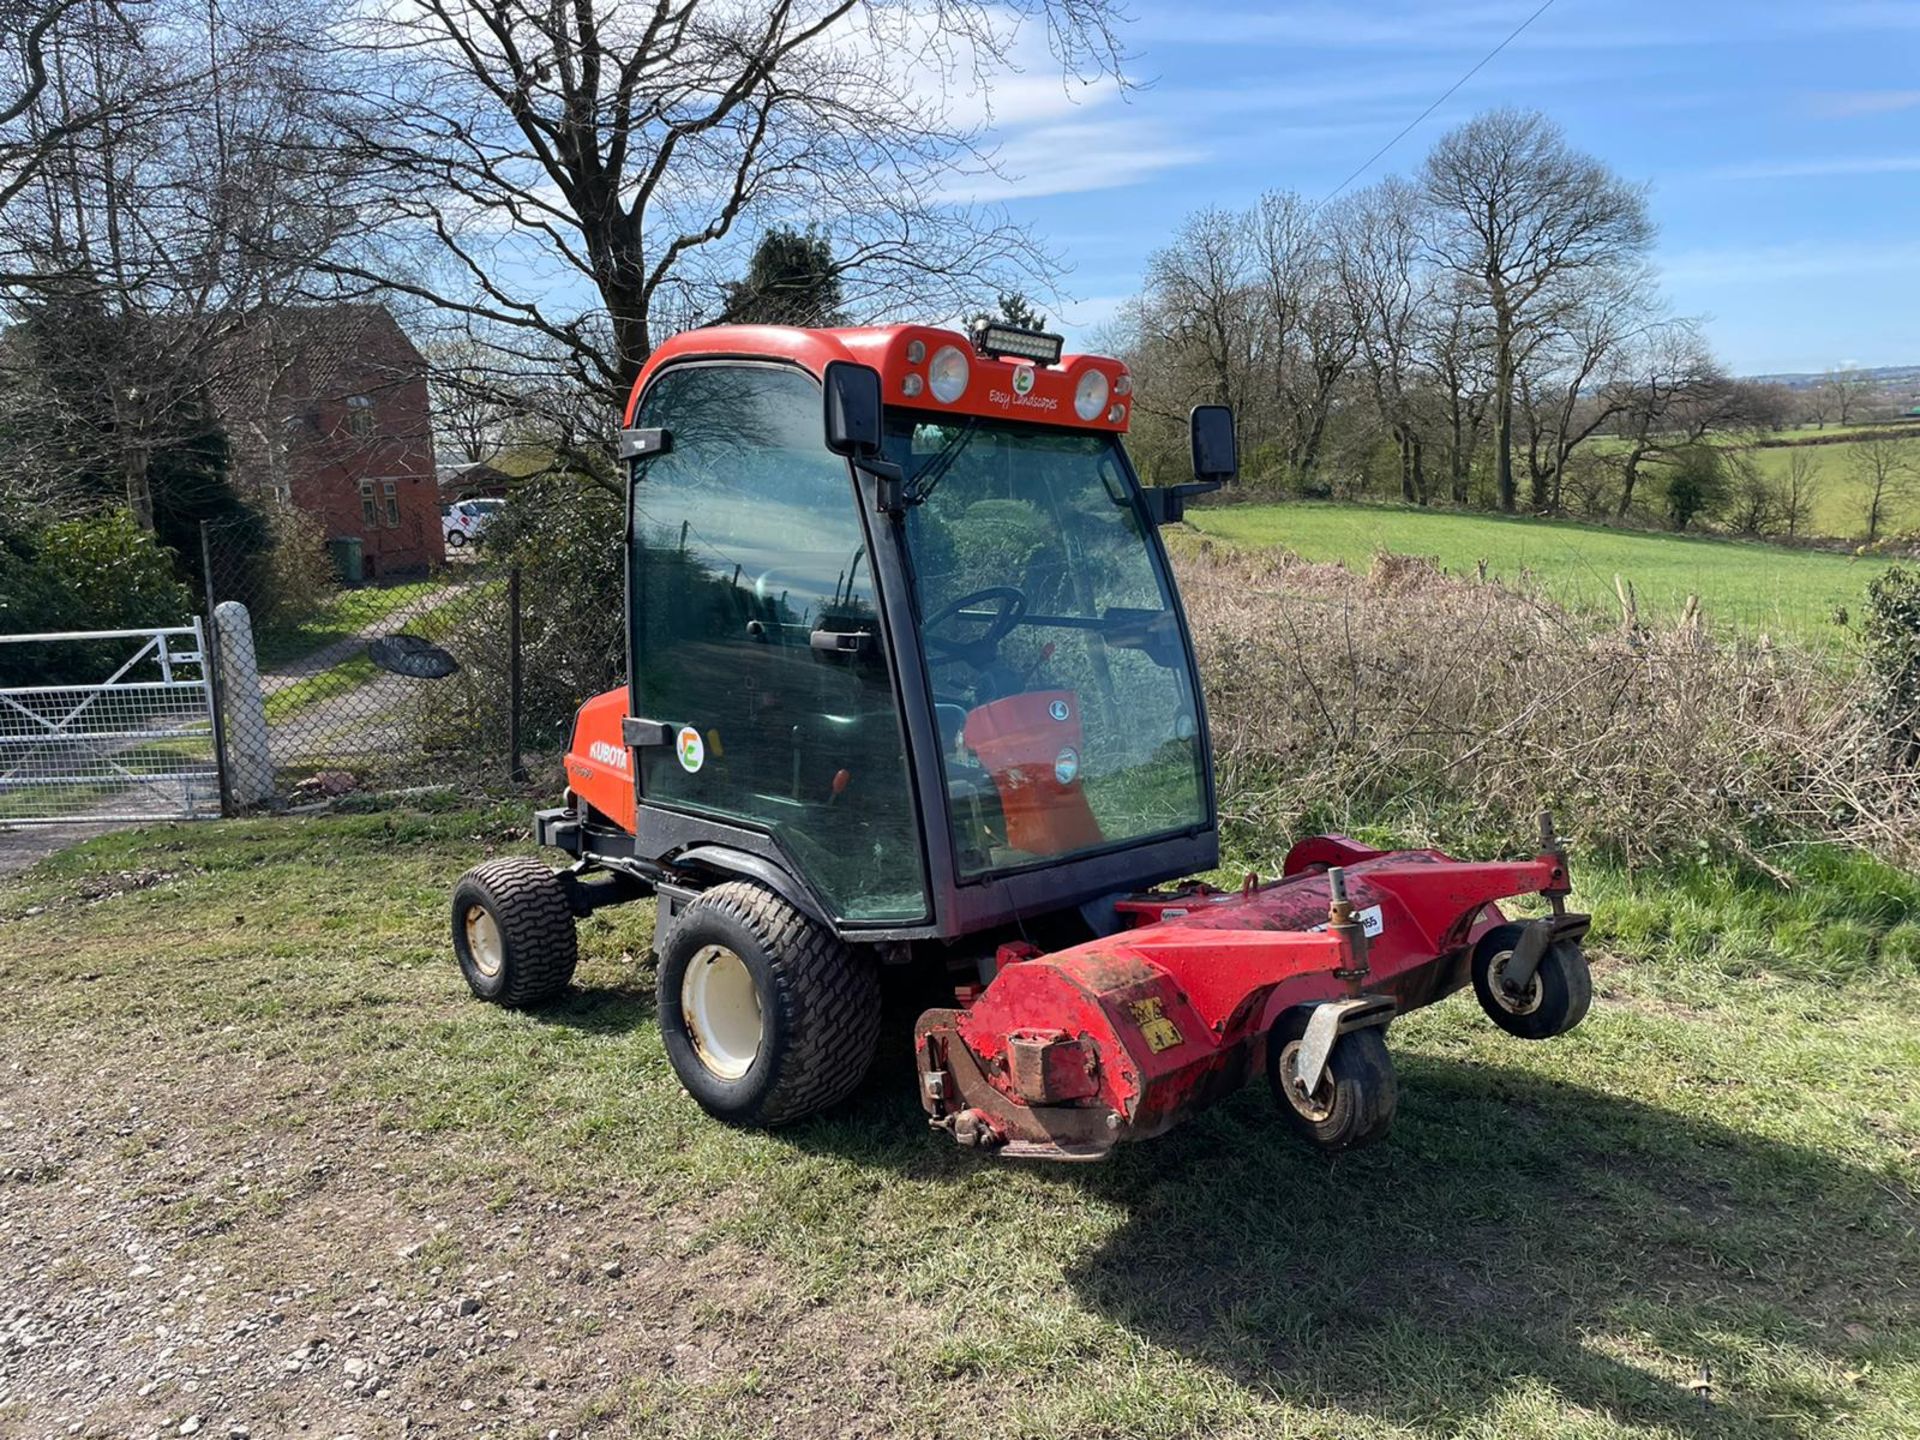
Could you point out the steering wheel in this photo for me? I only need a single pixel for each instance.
(979, 651)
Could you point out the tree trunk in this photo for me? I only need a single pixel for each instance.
(1503, 424)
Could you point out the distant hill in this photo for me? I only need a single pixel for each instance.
(1886, 376)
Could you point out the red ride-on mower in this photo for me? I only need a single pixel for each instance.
(911, 685)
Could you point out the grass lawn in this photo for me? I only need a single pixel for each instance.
(1754, 586)
(266, 1163)
(347, 613)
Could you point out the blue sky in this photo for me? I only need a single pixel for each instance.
(1781, 142)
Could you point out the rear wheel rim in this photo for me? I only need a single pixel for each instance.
(1514, 1002)
(720, 1007)
(483, 941)
(1315, 1107)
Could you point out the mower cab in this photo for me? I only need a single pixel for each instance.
(910, 683)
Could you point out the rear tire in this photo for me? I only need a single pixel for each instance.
(456, 538)
(767, 1016)
(513, 931)
(1354, 1103)
(1554, 1000)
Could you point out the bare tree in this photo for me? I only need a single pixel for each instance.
(578, 176)
(1884, 469)
(1302, 325)
(1527, 222)
(182, 197)
(1378, 253)
(1799, 489)
(1671, 396)
(1844, 392)
(1568, 386)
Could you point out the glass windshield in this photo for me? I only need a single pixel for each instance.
(1060, 680)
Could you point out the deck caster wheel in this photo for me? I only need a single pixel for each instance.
(1353, 1104)
(767, 1016)
(1554, 999)
(513, 931)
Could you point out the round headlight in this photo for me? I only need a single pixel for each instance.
(916, 351)
(1066, 765)
(912, 386)
(1090, 395)
(947, 375)
(1116, 413)
(1123, 386)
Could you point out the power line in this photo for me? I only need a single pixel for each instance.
(1411, 124)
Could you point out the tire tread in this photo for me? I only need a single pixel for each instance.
(537, 928)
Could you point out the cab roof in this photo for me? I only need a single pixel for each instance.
(902, 355)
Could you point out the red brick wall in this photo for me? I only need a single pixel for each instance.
(329, 459)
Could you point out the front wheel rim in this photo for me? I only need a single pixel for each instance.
(720, 1007)
(1315, 1107)
(1514, 1002)
(483, 941)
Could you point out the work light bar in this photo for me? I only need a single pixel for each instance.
(1004, 341)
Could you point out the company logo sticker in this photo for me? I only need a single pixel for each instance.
(1059, 710)
(691, 749)
(1022, 379)
(607, 754)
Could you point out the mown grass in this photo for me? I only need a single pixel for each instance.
(1714, 1179)
(345, 614)
(1754, 586)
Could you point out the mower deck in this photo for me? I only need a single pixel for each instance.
(1064, 1055)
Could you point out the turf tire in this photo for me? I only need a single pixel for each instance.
(1557, 998)
(1354, 1105)
(819, 1003)
(538, 945)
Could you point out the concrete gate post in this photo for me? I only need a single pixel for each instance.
(249, 750)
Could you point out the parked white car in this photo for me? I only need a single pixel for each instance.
(466, 519)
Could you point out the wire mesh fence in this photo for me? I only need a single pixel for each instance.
(115, 725)
(331, 684)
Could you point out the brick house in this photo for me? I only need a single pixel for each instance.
(326, 410)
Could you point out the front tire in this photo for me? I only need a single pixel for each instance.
(1353, 1104)
(767, 1016)
(513, 931)
(1551, 1003)
(456, 539)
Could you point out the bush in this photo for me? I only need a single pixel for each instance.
(1412, 703)
(100, 573)
(1891, 636)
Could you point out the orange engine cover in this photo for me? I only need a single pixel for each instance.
(599, 764)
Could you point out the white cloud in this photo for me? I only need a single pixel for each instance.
(1847, 104)
(1068, 159)
(1767, 264)
(1376, 26)
(1819, 167)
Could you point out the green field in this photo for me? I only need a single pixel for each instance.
(1756, 587)
(1840, 504)
(329, 1193)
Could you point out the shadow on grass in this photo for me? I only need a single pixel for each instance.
(1512, 1236)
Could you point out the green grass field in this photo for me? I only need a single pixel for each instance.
(250, 1099)
(1756, 587)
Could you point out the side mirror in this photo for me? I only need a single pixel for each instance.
(853, 409)
(1215, 456)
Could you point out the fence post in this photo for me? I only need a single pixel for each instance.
(210, 667)
(515, 770)
(251, 777)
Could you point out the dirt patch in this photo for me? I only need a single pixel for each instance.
(248, 1265)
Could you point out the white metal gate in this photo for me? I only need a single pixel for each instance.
(137, 745)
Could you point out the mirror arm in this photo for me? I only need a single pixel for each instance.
(1167, 504)
(889, 484)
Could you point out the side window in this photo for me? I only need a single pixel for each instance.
(757, 636)
(369, 512)
(390, 501)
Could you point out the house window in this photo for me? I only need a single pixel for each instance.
(360, 414)
(369, 507)
(390, 500)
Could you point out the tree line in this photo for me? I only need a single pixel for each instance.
(1487, 331)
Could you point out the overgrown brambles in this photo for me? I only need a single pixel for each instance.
(1430, 705)
(1891, 634)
